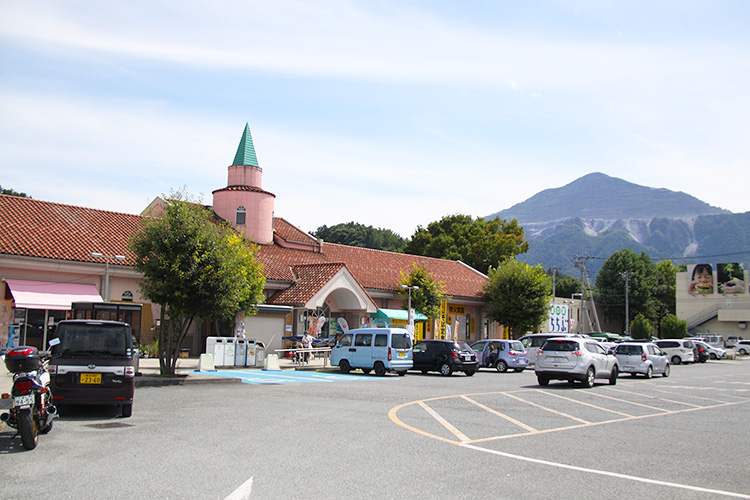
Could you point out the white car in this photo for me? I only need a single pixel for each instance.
(742, 347)
(678, 350)
(642, 357)
(713, 351)
(575, 359)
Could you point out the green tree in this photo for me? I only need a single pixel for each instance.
(664, 293)
(518, 296)
(359, 235)
(640, 273)
(479, 243)
(192, 267)
(641, 327)
(426, 299)
(565, 284)
(672, 327)
(13, 192)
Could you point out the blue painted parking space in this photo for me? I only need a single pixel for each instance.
(287, 376)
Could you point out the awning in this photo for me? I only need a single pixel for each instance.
(29, 294)
(397, 314)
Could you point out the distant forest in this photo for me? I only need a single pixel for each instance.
(359, 235)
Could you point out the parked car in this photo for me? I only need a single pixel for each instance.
(380, 349)
(732, 341)
(501, 354)
(532, 343)
(642, 357)
(444, 356)
(713, 351)
(742, 347)
(575, 359)
(678, 350)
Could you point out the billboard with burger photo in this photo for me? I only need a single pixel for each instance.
(701, 279)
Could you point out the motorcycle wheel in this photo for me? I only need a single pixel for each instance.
(28, 429)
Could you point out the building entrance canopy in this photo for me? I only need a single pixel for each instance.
(399, 315)
(50, 295)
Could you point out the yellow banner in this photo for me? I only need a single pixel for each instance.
(456, 309)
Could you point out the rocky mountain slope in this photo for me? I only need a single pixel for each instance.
(597, 215)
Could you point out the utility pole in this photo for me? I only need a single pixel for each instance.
(554, 279)
(626, 275)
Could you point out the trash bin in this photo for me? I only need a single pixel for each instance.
(240, 352)
(260, 355)
(216, 347)
(230, 347)
(251, 354)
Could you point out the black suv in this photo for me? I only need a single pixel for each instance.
(444, 356)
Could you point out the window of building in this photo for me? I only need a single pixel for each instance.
(240, 218)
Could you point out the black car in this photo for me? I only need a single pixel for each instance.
(444, 356)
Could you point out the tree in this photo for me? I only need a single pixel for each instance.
(641, 327)
(359, 235)
(565, 284)
(193, 266)
(13, 192)
(664, 293)
(672, 327)
(518, 296)
(479, 243)
(640, 273)
(426, 299)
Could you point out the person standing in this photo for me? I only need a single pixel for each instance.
(307, 344)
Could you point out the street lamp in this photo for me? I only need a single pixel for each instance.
(410, 314)
(106, 258)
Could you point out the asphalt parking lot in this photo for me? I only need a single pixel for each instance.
(418, 436)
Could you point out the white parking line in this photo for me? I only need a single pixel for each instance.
(607, 473)
(243, 492)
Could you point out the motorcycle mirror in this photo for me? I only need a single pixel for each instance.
(54, 342)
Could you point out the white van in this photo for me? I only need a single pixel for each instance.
(533, 342)
(380, 349)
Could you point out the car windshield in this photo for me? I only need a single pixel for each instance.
(92, 339)
(629, 350)
(560, 345)
(400, 341)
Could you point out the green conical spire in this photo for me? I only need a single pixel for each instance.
(246, 151)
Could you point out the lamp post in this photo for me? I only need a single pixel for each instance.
(409, 313)
(106, 258)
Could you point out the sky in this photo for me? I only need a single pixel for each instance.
(392, 114)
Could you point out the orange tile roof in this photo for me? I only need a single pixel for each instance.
(55, 231)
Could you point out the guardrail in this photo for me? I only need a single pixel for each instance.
(298, 354)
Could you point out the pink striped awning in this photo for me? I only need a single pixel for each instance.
(28, 294)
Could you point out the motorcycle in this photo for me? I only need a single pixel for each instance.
(32, 412)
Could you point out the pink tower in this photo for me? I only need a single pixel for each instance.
(243, 203)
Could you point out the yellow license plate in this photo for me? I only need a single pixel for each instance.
(91, 378)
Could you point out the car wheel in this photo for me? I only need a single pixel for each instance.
(366, 371)
(344, 366)
(501, 366)
(543, 381)
(590, 376)
(446, 370)
(666, 371)
(379, 369)
(127, 410)
(743, 352)
(613, 376)
(713, 357)
(470, 373)
(649, 372)
(676, 360)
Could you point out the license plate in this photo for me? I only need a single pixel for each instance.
(402, 355)
(91, 378)
(25, 400)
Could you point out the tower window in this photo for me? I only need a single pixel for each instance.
(240, 218)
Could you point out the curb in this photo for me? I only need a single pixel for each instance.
(159, 381)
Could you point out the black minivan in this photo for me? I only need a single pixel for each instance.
(445, 356)
(92, 364)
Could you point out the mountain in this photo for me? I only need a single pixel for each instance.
(597, 215)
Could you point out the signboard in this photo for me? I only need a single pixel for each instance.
(454, 309)
(701, 279)
(443, 319)
(730, 277)
(559, 318)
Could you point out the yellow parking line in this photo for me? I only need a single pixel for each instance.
(549, 409)
(501, 415)
(460, 435)
(585, 404)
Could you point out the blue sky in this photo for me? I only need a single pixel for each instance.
(388, 113)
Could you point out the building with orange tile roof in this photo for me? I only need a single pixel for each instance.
(49, 245)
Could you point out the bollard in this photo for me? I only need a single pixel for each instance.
(206, 363)
(272, 362)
